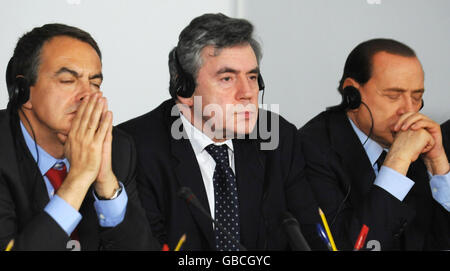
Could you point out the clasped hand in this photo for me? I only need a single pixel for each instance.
(88, 149)
(415, 135)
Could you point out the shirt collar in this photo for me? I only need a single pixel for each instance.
(46, 161)
(372, 148)
(198, 139)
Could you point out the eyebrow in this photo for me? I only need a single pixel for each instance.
(76, 74)
(230, 70)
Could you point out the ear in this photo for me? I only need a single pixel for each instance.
(351, 82)
(186, 101)
(28, 105)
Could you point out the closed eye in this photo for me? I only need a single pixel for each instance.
(67, 81)
(393, 97)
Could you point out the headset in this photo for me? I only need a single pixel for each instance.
(18, 86)
(184, 83)
(19, 93)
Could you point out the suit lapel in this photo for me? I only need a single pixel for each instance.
(355, 163)
(34, 182)
(30, 174)
(249, 166)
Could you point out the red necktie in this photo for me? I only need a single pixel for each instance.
(56, 176)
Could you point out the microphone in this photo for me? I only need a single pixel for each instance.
(186, 194)
(295, 236)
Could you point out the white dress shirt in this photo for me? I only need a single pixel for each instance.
(199, 141)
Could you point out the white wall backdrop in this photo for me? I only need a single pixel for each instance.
(305, 44)
(135, 38)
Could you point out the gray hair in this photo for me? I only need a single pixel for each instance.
(217, 30)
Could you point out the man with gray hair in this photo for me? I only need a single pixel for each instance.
(207, 140)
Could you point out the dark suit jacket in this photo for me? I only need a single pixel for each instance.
(269, 182)
(23, 196)
(342, 178)
(445, 127)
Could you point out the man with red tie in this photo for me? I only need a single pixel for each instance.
(58, 177)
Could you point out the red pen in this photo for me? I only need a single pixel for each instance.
(361, 238)
(165, 247)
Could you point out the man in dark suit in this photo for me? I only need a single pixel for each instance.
(206, 138)
(376, 160)
(60, 187)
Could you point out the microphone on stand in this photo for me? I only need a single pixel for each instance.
(186, 194)
(295, 236)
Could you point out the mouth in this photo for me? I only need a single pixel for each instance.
(72, 112)
(245, 114)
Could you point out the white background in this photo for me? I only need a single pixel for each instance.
(305, 44)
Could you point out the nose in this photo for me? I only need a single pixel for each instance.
(85, 89)
(407, 105)
(245, 88)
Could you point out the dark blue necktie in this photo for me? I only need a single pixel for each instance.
(226, 199)
(380, 160)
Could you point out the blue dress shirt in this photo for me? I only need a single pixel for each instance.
(397, 184)
(109, 212)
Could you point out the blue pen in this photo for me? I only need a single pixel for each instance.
(323, 236)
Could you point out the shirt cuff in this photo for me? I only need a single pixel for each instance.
(440, 189)
(111, 213)
(63, 213)
(393, 182)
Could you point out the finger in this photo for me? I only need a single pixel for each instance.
(95, 117)
(80, 111)
(85, 120)
(426, 124)
(108, 138)
(429, 146)
(105, 125)
(410, 120)
(400, 121)
(413, 120)
(108, 141)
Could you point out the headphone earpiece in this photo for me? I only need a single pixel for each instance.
(18, 86)
(184, 84)
(351, 99)
(261, 84)
(21, 91)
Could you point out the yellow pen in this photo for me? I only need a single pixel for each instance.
(180, 242)
(10, 245)
(327, 229)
